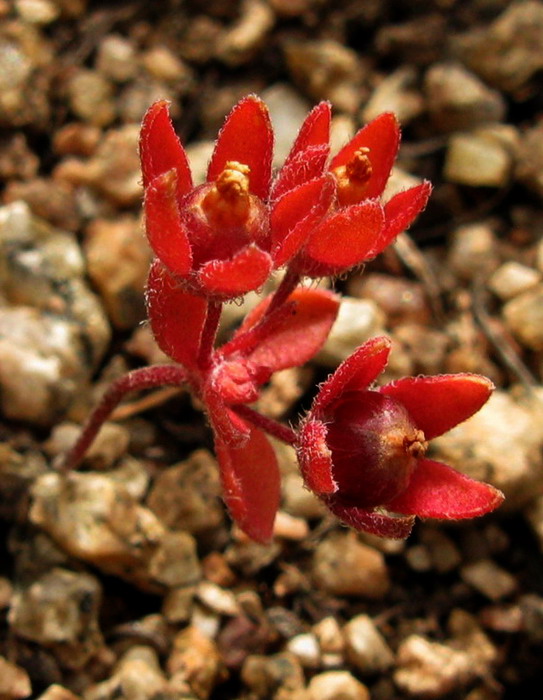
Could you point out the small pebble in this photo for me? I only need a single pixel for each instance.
(14, 681)
(489, 579)
(523, 316)
(337, 685)
(342, 565)
(366, 648)
(306, 649)
(513, 278)
(477, 160)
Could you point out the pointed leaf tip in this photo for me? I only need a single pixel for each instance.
(439, 491)
(436, 404)
(246, 137)
(161, 150)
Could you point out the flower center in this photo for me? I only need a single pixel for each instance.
(228, 202)
(353, 177)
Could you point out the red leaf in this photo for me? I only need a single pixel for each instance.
(247, 270)
(295, 215)
(228, 427)
(165, 231)
(250, 481)
(400, 211)
(382, 137)
(294, 340)
(437, 404)
(347, 237)
(176, 317)
(370, 521)
(315, 458)
(438, 491)
(355, 373)
(315, 131)
(305, 166)
(246, 137)
(161, 150)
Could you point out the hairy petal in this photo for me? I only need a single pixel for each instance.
(161, 150)
(165, 231)
(438, 491)
(315, 131)
(296, 337)
(176, 317)
(246, 137)
(382, 137)
(315, 458)
(250, 482)
(355, 373)
(295, 215)
(307, 165)
(347, 237)
(247, 270)
(368, 520)
(437, 404)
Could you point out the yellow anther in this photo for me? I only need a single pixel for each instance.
(228, 202)
(353, 177)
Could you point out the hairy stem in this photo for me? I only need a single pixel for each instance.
(209, 332)
(278, 430)
(287, 286)
(144, 378)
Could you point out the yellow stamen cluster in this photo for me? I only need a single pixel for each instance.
(228, 202)
(353, 177)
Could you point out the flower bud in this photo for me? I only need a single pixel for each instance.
(374, 446)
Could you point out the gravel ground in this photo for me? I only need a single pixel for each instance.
(127, 579)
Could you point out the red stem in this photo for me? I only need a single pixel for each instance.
(287, 286)
(278, 430)
(209, 333)
(144, 378)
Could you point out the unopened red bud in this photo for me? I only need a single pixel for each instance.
(375, 447)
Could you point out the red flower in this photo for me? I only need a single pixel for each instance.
(358, 225)
(363, 450)
(215, 237)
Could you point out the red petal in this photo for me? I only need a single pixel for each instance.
(437, 404)
(250, 481)
(306, 166)
(438, 491)
(315, 458)
(228, 427)
(300, 335)
(246, 137)
(161, 150)
(347, 237)
(296, 214)
(382, 137)
(176, 317)
(370, 521)
(400, 211)
(167, 235)
(247, 270)
(355, 373)
(315, 131)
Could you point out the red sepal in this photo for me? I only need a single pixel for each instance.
(295, 215)
(439, 491)
(315, 458)
(400, 212)
(306, 166)
(165, 231)
(246, 137)
(382, 137)
(296, 338)
(375, 523)
(250, 483)
(355, 373)
(346, 238)
(315, 131)
(176, 317)
(247, 270)
(437, 404)
(161, 150)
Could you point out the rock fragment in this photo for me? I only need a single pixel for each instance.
(342, 565)
(60, 610)
(14, 681)
(336, 685)
(365, 647)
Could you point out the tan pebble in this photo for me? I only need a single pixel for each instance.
(337, 685)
